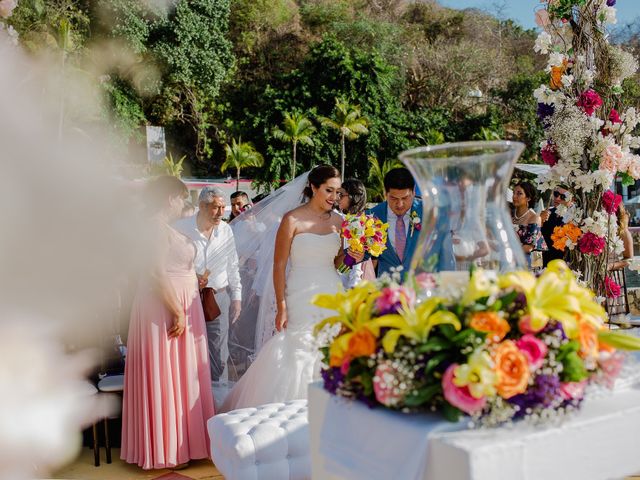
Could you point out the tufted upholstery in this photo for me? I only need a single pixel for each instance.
(270, 442)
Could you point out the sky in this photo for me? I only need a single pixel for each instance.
(523, 10)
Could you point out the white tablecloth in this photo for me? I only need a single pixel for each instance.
(351, 441)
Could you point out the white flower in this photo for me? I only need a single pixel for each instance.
(569, 213)
(566, 80)
(543, 42)
(596, 224)
(556, 59)
(607, 14)
(622, 64)
(630, 118)
(570, 129)
(635, 264)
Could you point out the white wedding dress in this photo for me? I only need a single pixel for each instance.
(290, 360)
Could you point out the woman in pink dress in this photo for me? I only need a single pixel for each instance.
(167, 388)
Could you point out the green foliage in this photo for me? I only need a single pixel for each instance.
(377, 172)
(128, 111)
(241, 155)
(170, 166)
(296, 128)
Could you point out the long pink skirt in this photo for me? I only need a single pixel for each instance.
(167, 388)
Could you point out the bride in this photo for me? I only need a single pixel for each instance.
(307, 241)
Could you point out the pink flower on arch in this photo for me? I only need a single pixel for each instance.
(614, 117)
(589, 100)
(611, 201)
(591, 244)
(611, 288)
(549, 154)
(534, 349)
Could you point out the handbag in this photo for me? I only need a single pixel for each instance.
(209, 304)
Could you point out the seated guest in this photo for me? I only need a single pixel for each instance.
(526, 220)
(239, 203)
(550, 220)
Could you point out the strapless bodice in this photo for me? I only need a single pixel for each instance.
(312, 250)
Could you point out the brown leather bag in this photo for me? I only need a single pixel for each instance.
(209, 304)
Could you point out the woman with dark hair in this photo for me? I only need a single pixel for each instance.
(352, 200)
(308, 243)
(167, 385)
(527, 222)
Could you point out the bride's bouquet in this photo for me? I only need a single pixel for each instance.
(500, 348)
(364, 234)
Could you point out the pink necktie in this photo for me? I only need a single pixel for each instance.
(401, 237)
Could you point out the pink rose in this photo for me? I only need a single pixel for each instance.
(611, 201)
(633, 165)
(542, 18)
(425, 281)
(534, 349)
(613, 159)
(573, 390)
(383, 385)
(591, 244)
(391, 299)
(610, 366)
(589, 101)
(549, 154)
(6, 7)
(524, 325)
(611, 288)
(460, 397)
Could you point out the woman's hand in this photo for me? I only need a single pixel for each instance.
(357, 256)
(178, 325)
(544, 216)
(281, 320)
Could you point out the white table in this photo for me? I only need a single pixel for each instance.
(351, 441)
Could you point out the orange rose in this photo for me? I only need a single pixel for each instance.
(512, 368)
(588, 339)
(556, 75)
(492, 323)
(361, 344)
(565, 233)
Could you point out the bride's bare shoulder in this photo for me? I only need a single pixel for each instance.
(295, 214)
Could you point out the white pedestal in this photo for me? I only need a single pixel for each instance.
(602, 441)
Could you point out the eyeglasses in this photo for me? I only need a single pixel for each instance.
(561, 196)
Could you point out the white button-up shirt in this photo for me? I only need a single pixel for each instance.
(217, 254)
(392, 219)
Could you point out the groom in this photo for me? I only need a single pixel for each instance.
(403, 213)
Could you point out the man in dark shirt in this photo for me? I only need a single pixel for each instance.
(550, 220)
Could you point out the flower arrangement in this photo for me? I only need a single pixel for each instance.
(364, 234)
(503, 348)
(589, 139)
(416, 221)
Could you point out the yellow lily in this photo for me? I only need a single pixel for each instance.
(555, 295)
(480, 285)
(415, 323)
(478, 374)
(354, 307)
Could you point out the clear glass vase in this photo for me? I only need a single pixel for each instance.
(465, 220)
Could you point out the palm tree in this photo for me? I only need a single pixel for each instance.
(376, 177)
(348, 120)
(296, 128)
(173, 167)
(241, 155)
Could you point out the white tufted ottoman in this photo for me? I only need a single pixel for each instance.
(270, 442)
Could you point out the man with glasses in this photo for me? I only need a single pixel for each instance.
(550, 220)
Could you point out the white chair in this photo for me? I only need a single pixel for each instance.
(270, 442)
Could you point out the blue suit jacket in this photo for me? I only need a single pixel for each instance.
(389, 258)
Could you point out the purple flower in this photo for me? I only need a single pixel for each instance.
(553, 326)
(544, 112)
(332, 378)
(611, 3)
(545, 392)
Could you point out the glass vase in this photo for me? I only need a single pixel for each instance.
(465, 220)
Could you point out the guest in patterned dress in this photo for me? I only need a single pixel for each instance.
(167, 387)
(526, 221)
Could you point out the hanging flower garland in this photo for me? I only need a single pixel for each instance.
(589, 139)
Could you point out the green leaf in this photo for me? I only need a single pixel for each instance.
(463, 336)
(367, 382)
(509, 298)
(434, 361)
(422, 396)
(448, 331)
(619, 340)
(627, 179)
(434, 344)
(451, 413)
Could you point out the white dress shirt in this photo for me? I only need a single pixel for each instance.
(217, 254)
(392, 219)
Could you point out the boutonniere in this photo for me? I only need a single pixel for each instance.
(416, 223)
